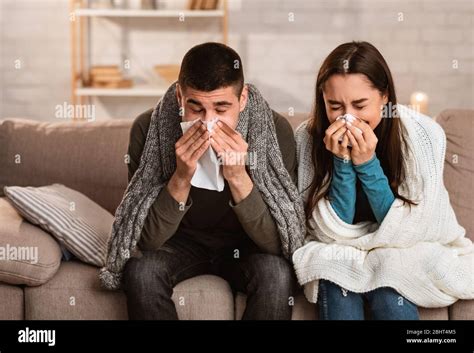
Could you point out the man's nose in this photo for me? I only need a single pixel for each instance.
(208, 116)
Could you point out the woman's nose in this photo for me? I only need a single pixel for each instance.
(350, 111)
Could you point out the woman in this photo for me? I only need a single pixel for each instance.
(381, 230)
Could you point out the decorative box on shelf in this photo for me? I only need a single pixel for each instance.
(168, 72)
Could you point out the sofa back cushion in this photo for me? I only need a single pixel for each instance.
(459, 164)
(295, 119)
(86, 156)
(90, 158)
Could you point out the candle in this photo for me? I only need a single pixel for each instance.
(419, 102)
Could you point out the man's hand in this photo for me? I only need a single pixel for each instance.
(232, 151)
(189, 148)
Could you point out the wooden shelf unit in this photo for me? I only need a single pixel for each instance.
(80, 17)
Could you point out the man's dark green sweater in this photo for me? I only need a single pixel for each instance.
(211, 217)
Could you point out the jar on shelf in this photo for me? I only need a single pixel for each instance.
(101, 4)
(149, 4)
(119, 4)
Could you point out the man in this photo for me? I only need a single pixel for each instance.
(189, 231)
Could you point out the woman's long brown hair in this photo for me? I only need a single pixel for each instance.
(357, 58)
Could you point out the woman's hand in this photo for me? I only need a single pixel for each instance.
(331, 140)
(363, 143)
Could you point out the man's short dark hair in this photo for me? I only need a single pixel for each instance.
(210, 66)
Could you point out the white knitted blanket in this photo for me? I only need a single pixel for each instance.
(422, 253)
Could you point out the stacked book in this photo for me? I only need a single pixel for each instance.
(202, 4)
(108, 76)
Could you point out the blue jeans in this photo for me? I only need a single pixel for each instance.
(383, 304)
(268, 280)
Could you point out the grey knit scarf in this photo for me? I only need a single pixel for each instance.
(158, 163)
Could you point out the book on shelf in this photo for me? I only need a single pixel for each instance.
(104, 70)
(202, 4)
(124, 83)
(108, 76)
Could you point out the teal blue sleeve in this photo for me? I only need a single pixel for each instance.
(342, 191)
(376, 187)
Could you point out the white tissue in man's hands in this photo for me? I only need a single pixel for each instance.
(349, 118)
(208, 174)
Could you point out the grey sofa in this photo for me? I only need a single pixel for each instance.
(89, 157)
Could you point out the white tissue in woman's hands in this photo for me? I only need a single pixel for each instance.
(208, 174)
(349, 118)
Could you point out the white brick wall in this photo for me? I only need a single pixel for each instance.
(280, 57)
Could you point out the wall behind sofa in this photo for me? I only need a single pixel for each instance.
(427, 43)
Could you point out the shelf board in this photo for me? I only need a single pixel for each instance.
(148, 13)
(136, 91)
